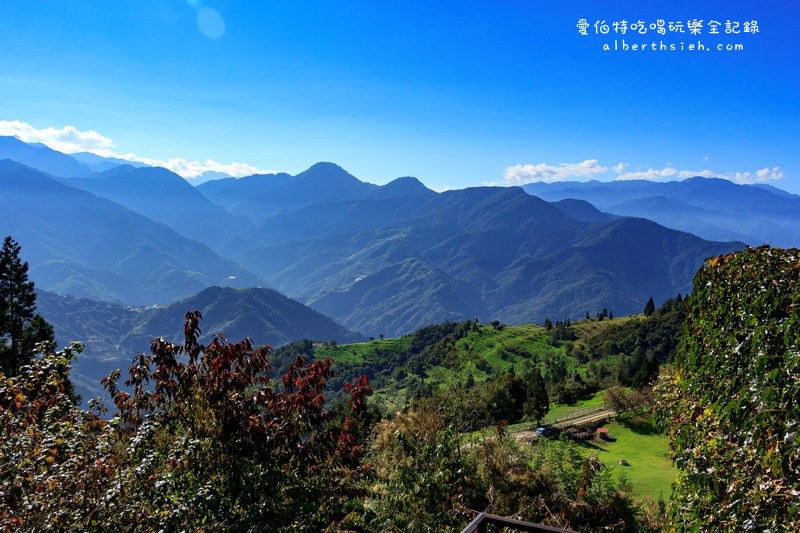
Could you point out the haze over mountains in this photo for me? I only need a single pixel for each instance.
(261, 197)
(711, 208)
(78, 243)
(114, 333)
(165, 197)
(41, 157)
(378, 259)
(490, 253)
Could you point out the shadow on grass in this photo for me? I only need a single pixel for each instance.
(589, 445)
(640, 425)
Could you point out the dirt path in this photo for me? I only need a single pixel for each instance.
(528, 436)
(591, 417)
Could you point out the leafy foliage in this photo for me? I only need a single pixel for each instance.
(203, 440)
(730, 404)
(56, 461)
(625, 402)
(426, 480)
(114, 331)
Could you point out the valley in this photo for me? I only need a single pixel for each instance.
(488, 310)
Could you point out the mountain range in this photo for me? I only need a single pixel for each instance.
(711, 208)
(165, 197)
(80, 244)
(390, 265)
(114, 333)
(42, 158)
(378, 259)
(260, 197)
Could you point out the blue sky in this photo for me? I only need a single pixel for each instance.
(455, 93)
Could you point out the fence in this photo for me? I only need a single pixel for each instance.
(577, 414)
(483, 520)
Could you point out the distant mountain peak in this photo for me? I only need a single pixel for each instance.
(42, 158)
(403, 186)
(705, 179)
(581, 210)
(405, 180)
(324, 166)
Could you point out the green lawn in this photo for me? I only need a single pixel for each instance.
(650, 472)
(560, 410)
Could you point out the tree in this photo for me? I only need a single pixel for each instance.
(621, 372)
(203, 439)
(649, 307)
(647, 373)
(547, 324)
(21, 328)
(619, 400)
(538, 404)
(470, 381)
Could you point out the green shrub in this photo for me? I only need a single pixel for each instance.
(731, 403)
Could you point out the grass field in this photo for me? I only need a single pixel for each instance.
(589, 328)
(362, 352)
(561, 411)
(650, 472)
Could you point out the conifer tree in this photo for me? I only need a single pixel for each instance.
(649, 307)
(21, 328)
(537, 404)
(647, 373)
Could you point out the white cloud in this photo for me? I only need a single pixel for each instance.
(70, 140)
(522, 174)
(67, 139)
(649, 174)
(683, 174)
(619, 167)
(759, 176)
(192, 169)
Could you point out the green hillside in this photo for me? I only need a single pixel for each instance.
(392, 265)
(584, 355)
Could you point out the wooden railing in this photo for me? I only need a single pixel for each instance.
(483, 520)
(578, 413)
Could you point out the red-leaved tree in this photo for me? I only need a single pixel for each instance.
(202, 439)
